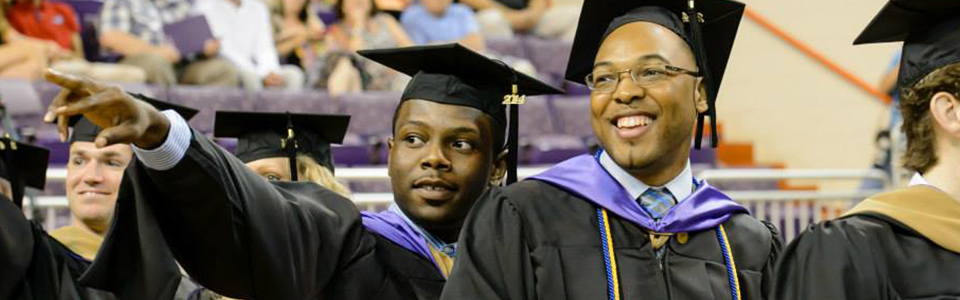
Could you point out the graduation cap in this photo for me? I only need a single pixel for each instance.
(266, 135)
(708, 26)
(23, 165)
(455, 75)
(929, 29)
(85, 131)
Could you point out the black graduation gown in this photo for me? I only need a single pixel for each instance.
(875, 255)
(34, 265)
(243, 237)
(536, 241)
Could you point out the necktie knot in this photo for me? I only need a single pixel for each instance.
(657, 201)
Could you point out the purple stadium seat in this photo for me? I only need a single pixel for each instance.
(553, 148)
(305, 101)
(507, 47)
(375, 109)
(370, 186)
(536, 118)
(47, 91)
(208, 100)
(706, 155)
(354, 151)
(373, 112)
(575, 113)
(20, 97)
(541, 138)
(550, 57)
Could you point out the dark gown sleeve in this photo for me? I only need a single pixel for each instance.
(830, 260)
(493, 260)
(769, 269)
(243, 237)
(16, 247)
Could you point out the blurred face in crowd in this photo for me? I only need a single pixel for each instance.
(442, 158)
(436, 7)
(93, 181)
(648, 128)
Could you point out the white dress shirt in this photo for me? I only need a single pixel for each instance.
(680, 187)
(244, 32)
(172, 150)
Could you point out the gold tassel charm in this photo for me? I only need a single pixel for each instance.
(514, 98)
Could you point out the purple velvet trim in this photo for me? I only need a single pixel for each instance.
(392, 227)
(583, 176)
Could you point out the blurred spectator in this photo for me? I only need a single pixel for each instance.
(54, 26)
(360, 26)
(19, 58)
(134, 29)
(245, 34)
(296, 28)
(442, 21)
(552, 19)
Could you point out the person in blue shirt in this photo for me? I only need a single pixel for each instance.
(442, 21)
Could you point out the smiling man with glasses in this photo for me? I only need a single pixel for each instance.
(630, 222)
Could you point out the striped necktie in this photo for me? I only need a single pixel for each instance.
(657, 201)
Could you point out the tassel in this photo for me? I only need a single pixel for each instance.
(290, 145)
(696, 39)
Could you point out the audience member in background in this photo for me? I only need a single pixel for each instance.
(442, 21)
(297, 30)
(21, 58)
(246, 38)
(360, 26)
(552, 19)
(134, 29)
(54, 25)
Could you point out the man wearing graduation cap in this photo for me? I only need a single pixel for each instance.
(903, 244)
(35, 266)
(245, 237)
(93, 183)
(94, 176)
(630, 222)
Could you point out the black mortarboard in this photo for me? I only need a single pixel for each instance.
(711, 39)
(266, 135)
(85, 131)
(453, 74)
(929, 29)
(23, 165)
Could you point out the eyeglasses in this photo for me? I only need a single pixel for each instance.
(607, 81)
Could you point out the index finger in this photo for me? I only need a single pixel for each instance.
(72, 82)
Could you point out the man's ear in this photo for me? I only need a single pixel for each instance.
(700, 97)
(389, 149)
(945, 109)
(499, 171)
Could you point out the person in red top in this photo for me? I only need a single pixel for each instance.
(46, 20)
(53, 26)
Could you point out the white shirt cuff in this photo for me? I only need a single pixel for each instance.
(172, 150)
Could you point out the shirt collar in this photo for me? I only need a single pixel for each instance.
(445, 248)
(680, 187)
(918, 179)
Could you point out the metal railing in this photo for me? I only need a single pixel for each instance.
(791, 211)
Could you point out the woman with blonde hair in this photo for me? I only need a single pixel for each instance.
(266, 142)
